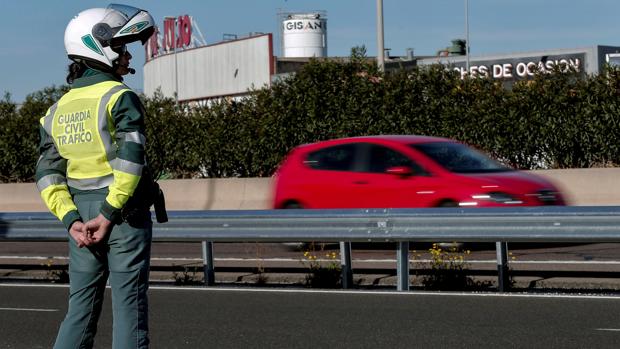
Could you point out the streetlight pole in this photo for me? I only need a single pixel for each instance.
(380, 48)
(467, 35)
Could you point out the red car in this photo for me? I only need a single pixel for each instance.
(403, 171)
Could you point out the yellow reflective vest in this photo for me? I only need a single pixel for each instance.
(92, 138)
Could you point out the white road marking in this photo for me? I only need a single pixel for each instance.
(351, 292)
(399, 293)
(34, 257)
(28, 309)
(608, 329)
(566, 262)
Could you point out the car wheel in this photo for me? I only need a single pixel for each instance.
(447, 203)
(292, 205)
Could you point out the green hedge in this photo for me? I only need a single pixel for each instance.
(552, 121)
(19, 133)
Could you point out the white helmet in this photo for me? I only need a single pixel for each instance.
(97, 35)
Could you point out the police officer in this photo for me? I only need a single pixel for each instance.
(92, 176)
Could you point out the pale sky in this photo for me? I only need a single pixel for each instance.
(33, 55)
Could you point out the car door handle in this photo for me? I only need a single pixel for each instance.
(360, 182)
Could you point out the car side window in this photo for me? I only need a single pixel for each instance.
(337, 158)
(381, 158)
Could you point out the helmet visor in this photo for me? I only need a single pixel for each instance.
(127, 11)
(117, 17)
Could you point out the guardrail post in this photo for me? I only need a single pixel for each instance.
(502, 266)
(207, 262)
(402, 266)
(345, 264)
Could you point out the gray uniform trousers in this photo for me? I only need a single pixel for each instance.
(125, 258)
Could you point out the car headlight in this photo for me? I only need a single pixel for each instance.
(547, 197)
(498, 197)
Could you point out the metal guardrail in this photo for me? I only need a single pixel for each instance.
(500, 225)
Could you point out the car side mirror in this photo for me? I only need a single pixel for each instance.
(401, 171)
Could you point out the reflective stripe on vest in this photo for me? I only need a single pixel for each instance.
(91, 183)
(135, 137)
(83, 131)
(49, 180)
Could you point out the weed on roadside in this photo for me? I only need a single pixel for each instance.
(323, 273)
(261, 277)
(55, 274)
(187, 277)
(446, 270)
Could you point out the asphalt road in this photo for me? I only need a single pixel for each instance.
(230, 318)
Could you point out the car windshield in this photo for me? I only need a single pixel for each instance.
(459, 158)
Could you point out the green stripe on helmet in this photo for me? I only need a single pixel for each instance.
(136, 28)
(89, 41)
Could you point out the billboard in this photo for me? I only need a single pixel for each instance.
(520, 68)
(228, 68)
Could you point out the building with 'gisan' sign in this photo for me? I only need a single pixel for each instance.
(183, 66)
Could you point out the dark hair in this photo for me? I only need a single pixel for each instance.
(75, 71)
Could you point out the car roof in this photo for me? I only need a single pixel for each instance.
(403, 139)
(407, 139)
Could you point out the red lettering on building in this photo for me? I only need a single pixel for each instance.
(169, 34)
(177, 34)
(152, 45)
(184, 27)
